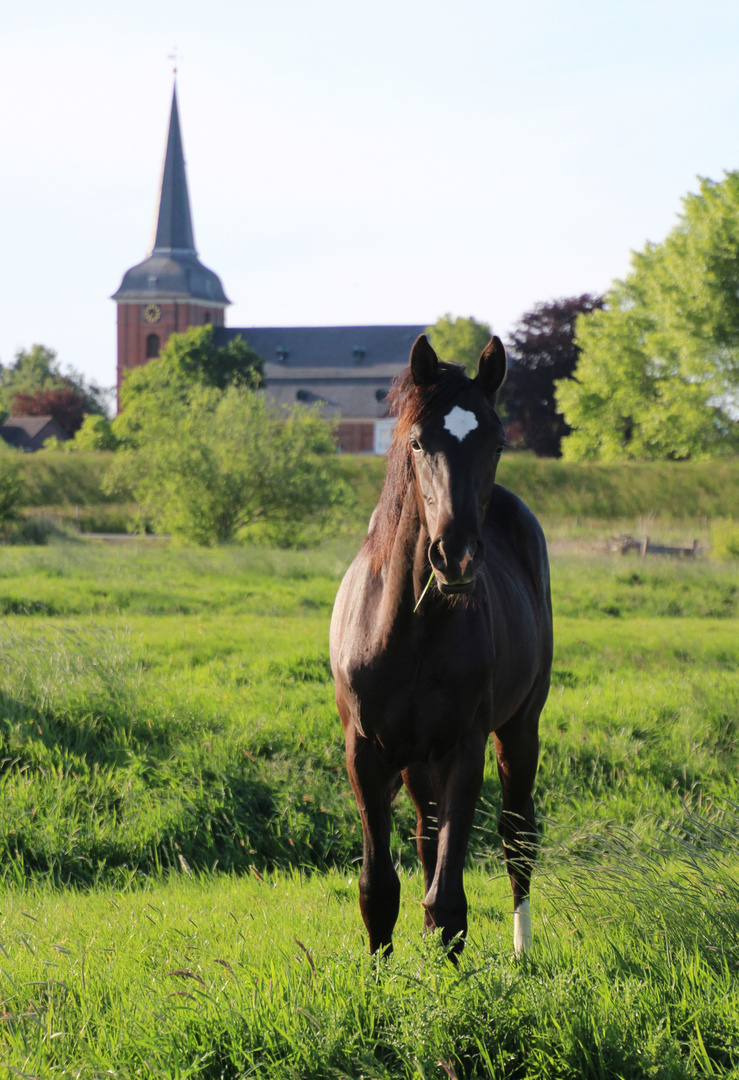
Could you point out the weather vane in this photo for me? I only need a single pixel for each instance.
(173, 56)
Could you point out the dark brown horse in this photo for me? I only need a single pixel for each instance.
(422, 680)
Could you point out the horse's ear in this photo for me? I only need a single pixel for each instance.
(424, 362)
(492, 367)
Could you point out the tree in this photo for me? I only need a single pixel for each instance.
(188, 361)
(37, 370)
(195, 354)
(658, 374)
(541, 349)
(96, 433)
(66, 406)
(209, 464)
(459, 341)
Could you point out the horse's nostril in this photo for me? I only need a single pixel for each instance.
(436, 555)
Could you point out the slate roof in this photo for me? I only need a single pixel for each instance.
(172, 270)
(347, 370)
(30, 432)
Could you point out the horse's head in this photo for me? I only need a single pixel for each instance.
(455, 447)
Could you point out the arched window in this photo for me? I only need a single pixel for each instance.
(206, 318)
(152, 346)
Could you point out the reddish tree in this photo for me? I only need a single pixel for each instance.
(67, 407)
(542, 349)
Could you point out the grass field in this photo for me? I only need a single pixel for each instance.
(175, 814)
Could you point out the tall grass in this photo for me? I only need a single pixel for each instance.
(633, 974)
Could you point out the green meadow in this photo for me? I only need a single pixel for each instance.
(179, 845)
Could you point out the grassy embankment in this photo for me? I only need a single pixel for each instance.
(169, 713)
(667, 500)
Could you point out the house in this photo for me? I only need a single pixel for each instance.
(345, 370)
(31, 432)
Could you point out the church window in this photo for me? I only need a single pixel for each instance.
(152, 346)
(206, 317)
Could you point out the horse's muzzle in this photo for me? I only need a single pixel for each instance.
(456, 568)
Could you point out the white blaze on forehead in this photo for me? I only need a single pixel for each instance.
(460, 422)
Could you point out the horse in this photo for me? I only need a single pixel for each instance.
(441, 635)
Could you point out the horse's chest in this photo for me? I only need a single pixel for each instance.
(418, 701)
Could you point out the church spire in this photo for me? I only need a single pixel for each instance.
(173, 223)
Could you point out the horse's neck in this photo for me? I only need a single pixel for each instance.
(404, 570)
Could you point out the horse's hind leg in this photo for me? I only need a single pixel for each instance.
(379, 888)
(517, 751)
(417, 780)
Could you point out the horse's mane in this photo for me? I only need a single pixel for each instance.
(410, 403)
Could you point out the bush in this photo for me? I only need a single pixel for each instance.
(725, 538)
(96, 433)
(210, 464)
(11, 485)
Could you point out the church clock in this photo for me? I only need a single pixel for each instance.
(152, 313)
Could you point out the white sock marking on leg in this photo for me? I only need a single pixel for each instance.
(522, 928)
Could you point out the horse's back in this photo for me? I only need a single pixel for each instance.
(517, 535)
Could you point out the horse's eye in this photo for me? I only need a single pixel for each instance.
(499, 450)
(415, 446)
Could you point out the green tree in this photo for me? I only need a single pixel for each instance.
(195, 354)
(658, 373)
(541, 350)
(210, 464)
(460, 340)
(96, 433)
(188, 362)
(36, 371)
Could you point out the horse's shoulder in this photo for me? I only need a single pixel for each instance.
(352, 606)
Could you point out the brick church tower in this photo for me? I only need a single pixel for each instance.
(170, 290)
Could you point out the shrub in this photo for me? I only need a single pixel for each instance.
(11, 485)
(211, 463)
(96, 433)
(725, 538)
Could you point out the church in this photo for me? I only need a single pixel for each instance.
(345, 370)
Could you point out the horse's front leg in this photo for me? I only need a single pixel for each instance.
(379, 888)
(417, 780)
(457, 778)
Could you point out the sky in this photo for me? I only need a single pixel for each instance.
(351, 162)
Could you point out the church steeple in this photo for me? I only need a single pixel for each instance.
(170, 290)
(173, 223)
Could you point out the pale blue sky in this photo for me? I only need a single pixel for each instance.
(351, 162)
